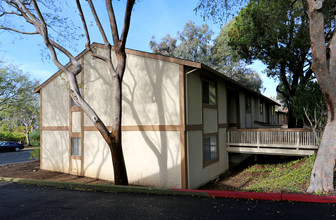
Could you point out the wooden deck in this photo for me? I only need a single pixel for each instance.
(289, 142)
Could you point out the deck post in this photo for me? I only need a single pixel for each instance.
(297, 140)
(258, 139)
(228, 137)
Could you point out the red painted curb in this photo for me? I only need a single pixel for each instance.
(238, 195)
(246, 195)
(308, 198)
(266, 196)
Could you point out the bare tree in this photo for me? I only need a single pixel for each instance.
(324, 66)
(30, 11)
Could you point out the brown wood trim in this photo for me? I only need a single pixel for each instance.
(140, 128)
(211, 161)
(70, 132)
(184, 159)
(223, 125)
(205, 164)
(54, 128)
(151, 128)
(75, 134)
(82, 120)
(209, 106)
(128, 51)
(164, 58)
(75, 108)
(93, 128)
(261, 123)
(210, 134)
(233, 125)
(75, 157)
(273, 129)
(194, 127)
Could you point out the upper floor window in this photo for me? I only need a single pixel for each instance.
(210, 150)
(248, 104)
(209, 93)
(75, 146)
(261, 108)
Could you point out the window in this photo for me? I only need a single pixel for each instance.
(261, 108)
(248, 104)
(210, 151)
(75, 146)
(209, 93)
(272, 109)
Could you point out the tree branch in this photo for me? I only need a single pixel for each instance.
(10, 13)
(100, 27)
(283, 79)
(87, 45)
(317, 37)
(113, 23)
(281, 92)
(17, 31)
(127, 20)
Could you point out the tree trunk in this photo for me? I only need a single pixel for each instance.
(120, 173)
(293, 122)
(27, 138)
(291, 119)
(324, 67)
(322, 176)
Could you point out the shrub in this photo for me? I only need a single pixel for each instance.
(35, 154)
(35, 138)
(11, 136)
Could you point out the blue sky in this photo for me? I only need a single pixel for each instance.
(150, 18)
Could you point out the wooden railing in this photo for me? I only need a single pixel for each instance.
(273, 141)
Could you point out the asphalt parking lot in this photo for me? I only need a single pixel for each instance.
(21, 201)
(7, 157)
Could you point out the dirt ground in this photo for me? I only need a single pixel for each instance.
(234, 180)
(31, 170)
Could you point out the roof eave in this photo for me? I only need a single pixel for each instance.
(226, 78)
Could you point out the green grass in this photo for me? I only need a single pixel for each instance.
(292, 176)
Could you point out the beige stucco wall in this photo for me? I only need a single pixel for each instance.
(242, 110)
(55, 103)
(152, 158)
(150, 91)
(210, 120)
(76, 122)
(199, 175)
(55, 151)
(222, 103)
(256, 107)
(194, 101)
(150, 97)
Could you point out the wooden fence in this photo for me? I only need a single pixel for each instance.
(291, 142)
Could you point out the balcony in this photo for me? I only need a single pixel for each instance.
(273, 141)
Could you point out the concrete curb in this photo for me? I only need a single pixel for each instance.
(177, 192)
(103, 187)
